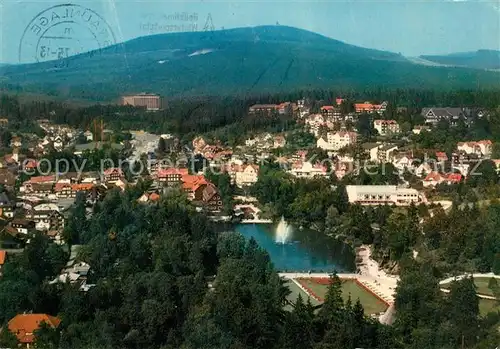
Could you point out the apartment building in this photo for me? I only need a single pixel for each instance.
(171, 176)
(337, 140)
(385, 127)
(266, 109)
(383, 195)
(148, 100)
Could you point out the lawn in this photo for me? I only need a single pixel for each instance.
(481, 284)
(294, 294)
(487, 305)
(371, 304)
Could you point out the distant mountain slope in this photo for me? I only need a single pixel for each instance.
(482, 59)
(236, 61)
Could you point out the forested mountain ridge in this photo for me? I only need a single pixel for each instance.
(236, 61)
(481, 59)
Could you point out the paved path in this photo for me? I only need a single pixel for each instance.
(483, 296)
(478, 275)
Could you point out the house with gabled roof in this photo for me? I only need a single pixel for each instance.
(433, 115)
(194, 185)
(211, 198)
(403, 161)
(481, 148)
(434, 178)
(24, 326)
(113, 174)
(441, 156)
(149, 198)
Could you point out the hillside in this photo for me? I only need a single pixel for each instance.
(235, 61)
(482, 59)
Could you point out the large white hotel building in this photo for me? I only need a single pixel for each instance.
(383, 195)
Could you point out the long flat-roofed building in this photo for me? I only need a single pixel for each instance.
(149, 100)
(383, 195)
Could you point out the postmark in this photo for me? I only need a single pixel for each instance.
(63, 31)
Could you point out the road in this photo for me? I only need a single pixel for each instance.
(143, 142)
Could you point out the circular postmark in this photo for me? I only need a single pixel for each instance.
(62, 31)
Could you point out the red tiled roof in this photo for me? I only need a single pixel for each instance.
(441, 155)
(112, 170)
(433, 176)
(30, 164)
(74, 187)
(454, 177)
(327, 107)
(391, 122)
(154, 197)
(163, 172)
(42, 179)
(367, 106)
(23, 326)
(485, 142)
(473, 144)
(193, 182)
(3, 255)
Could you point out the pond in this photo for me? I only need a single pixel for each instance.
(300, 250)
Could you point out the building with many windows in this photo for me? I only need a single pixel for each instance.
(385, 127)
(337, 140)
(148, 100)
(264, 109)
(383, 195)
(171, 176)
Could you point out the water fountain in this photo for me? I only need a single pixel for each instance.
(283, 231)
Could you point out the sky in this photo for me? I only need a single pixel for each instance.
(409, 27)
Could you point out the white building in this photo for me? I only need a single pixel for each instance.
(336, 141)
(372, 150)
(246, 175)
(383, 195)
(418, 129)
(385, 127)
(481, 148)
(58, 143)
(314, 122)
(402, 162)
(308, 170)
(88, 136)
(385, 153)
(424, 169)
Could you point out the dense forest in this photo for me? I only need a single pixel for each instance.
(237, 62)
(464, 239)
(165, 279)
(227, 117)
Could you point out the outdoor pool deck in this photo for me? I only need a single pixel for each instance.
(315, 290)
